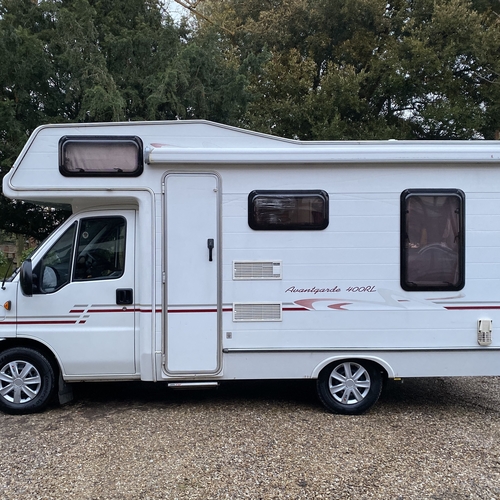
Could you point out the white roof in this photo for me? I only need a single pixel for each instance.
(200, 141)
(35, 175)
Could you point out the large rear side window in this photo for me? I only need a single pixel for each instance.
(432, 239)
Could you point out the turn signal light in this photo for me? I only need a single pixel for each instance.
(8, 305)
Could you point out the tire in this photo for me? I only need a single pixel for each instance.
(349, 387)
(27, 381)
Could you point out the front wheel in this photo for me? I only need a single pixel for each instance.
(26, 381)
(349, 387)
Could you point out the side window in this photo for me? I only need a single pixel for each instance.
(432, 239)
(53, 271)
(288, 210)
(100, 249)
(99, 156)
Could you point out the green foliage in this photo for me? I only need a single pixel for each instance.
(101, 60)
(354, 69)
(5, 265)
(307, 69)
(26, 254)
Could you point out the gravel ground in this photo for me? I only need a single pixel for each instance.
(425, 439)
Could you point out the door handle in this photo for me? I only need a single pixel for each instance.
(210, 245)
(124, 296)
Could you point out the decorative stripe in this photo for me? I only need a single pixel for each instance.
(259, 350)
(191, 310)
(111, 310)
(224, 309)
(81, 320)
(46, 322)
(469, 308)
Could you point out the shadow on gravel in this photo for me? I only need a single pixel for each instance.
(445, 393)
(411, 394)
(298, 392)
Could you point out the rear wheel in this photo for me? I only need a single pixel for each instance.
(26, 380)
(350, 387)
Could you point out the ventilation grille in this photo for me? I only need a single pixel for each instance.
(251, 311)
(484, 327)
(257, 270)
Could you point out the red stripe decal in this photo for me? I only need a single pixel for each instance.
(62, 322)
(192, 310)
(110, 310)
(468, 308)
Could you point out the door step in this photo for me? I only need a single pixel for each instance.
(185, 386)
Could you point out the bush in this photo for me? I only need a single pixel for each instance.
(3, 265)
(3, 259)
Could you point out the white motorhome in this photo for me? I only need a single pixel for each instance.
(199, 253)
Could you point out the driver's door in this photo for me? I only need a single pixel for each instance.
(82, 305)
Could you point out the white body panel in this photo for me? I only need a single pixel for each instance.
(337, 293)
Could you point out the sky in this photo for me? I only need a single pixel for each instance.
(175, 10)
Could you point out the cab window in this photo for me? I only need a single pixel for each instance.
(100, 248)
(91, 249)
(54, 270)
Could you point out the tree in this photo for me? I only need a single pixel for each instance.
(101, 60)
(3, 260)
(340, 69)
(27, 97)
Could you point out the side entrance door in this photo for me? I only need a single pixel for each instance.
(192, 298)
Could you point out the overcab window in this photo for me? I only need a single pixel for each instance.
(288, 210)
(432, 239)
(95, 156)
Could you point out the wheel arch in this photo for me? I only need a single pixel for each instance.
(35, 345)
(385, 367)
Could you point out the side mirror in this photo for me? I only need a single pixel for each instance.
(26, 278)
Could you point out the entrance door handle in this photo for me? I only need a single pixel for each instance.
(124, 296)
(210, 245)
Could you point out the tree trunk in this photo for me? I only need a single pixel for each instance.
(20, 246)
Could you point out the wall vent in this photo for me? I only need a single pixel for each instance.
(484, 327)
(257, 311)
(257, 270)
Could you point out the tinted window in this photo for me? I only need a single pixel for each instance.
(100, 156)
(288, 210)
(432, 240)
(100, 249)
(53, 271)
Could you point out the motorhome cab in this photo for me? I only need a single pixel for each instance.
(199, 253)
